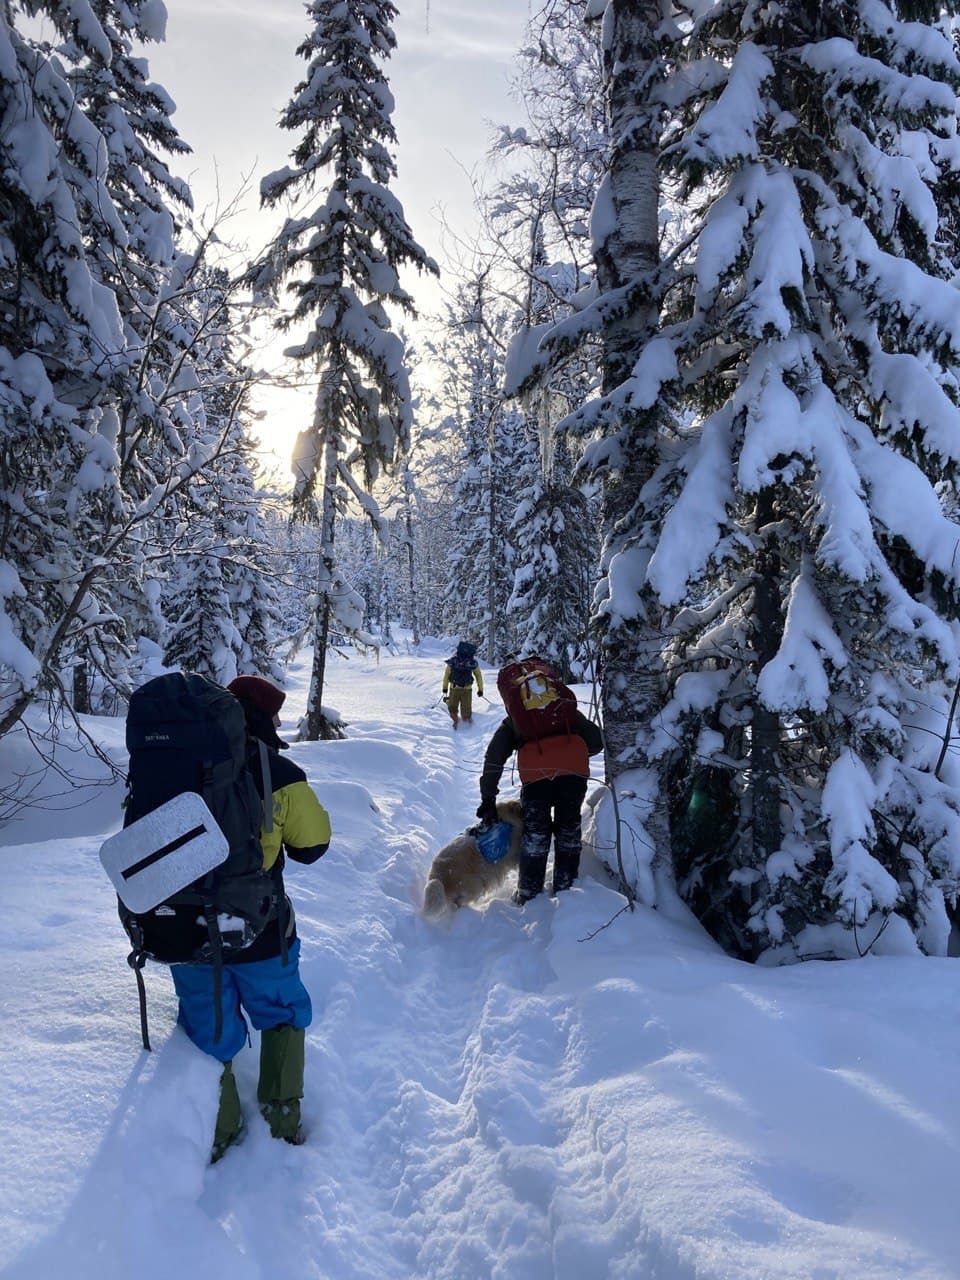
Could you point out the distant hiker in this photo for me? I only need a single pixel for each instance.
(458, 677)
(263, 980)
(554, 742)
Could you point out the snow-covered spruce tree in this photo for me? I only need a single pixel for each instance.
(630, 413)
(538, 215)
(431, 526)
(400, 500)
(404, 584)
(359, 565)
(503, 494)
(818, 324)
(404, 544)
(153, 276)
(99, 270)
(550, 528)
(249, 566)
(296, 545)
(554, 552)
(61, 349)
(340, 262)
(485, 435)
(133, 117)
(233, 605)
(253, 569)
(201, 635)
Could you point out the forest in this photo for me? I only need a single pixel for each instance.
(688, 427)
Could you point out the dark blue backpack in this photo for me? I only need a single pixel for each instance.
(462, 663)
(185, 733)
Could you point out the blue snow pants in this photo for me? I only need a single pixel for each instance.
(270, 992)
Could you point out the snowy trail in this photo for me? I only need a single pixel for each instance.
(437, 1108)
(419, 1121)
(500, 1095)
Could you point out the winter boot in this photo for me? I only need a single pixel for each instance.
(532, 874)
(562, 879)
(229, 1127)
(281, 1081)
(566, 868)
(566, 857)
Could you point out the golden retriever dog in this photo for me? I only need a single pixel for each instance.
(461, 874)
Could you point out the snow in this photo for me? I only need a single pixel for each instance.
(568, 1092)
(795, 677)
(692, 524)
(727, 128)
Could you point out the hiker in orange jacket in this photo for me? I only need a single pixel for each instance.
(553, 775)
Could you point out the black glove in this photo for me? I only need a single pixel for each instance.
(487, 812)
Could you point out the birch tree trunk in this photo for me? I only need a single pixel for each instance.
(627, 234)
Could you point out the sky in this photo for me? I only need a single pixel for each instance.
(230, 66)
(565, 1092)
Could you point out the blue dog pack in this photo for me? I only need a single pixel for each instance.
(493, 841)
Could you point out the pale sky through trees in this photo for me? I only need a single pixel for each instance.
(231, 67)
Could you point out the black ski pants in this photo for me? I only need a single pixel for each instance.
(551, 807)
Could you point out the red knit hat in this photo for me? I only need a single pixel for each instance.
(259, 692)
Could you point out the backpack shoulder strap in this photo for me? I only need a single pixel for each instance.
(267, 786)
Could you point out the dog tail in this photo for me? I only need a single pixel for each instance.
(434, 898)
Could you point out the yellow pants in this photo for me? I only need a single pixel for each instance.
(460, 702)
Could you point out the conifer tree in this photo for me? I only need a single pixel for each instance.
(202, 636)
(406, 548)
(484, 438)
(61, 348)
(89, 235)
(252, 571)
(551, 525)
(629, 415)
(132, 115)
(551, 532)
(414, 545)
(340, 262)
(431, 526)
(809, 513)
(221, 588)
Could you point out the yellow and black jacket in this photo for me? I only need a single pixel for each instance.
(301, 831)
(448, 678)
(301, 826)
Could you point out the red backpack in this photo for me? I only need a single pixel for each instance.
(536, 699)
